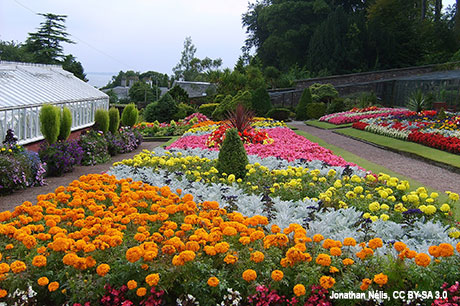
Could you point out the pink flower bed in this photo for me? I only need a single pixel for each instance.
(349, 117)
(287, 145)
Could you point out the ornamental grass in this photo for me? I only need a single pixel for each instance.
(100, 238)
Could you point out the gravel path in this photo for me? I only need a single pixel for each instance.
(429, 175)
(9, 202)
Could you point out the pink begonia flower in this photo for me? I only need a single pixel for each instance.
(287, 145)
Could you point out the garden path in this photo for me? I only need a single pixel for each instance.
(9, 202)
(429, 175)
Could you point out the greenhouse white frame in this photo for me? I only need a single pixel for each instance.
(26, 87)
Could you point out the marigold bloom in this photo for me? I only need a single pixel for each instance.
(318, 238)
(18, 266)
(141, 291)
(299, 290)
(53, 286)
(3, 293)
(335, 251)
(375, 243)
(152, 279)
(348, 262)
(213, 281)
(132, 284)
(257, 235)
(275, 229)
(245, 240)
(4, 268)
(422, 259)
(257, 256)
(399, 246)
(333, 270)
(349, 242)
(230, 259)
(380, 279)
(365, 284)
(323, 259)
(249, 275)
(446, 249)
(277, 275)
(102, 269)
(221, 247)
(39, 261)
(458, 247)
(43, 281)
(134, 254)
(326, 282)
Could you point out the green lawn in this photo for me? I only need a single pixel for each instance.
(405, 146)
(375, 168)
(326, 125)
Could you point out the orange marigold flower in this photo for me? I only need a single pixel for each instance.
(399, 246)
(434, 251)
(152, 279)
(53, 286)
(221, 247)
(192, 246)
(209, 250)
(375, 243)
(39, 261)
(275, 229)
(446, 249)
(4, 268)
(335, 251)
(18, 266)
(299, 290)
(277, 275)
(141, 291)
(245, 240)
(257, 256)
(365, 284)
(102, 269)
(230, 259)
(134, 254)
(333, 270)
(229, 231)
(326, 282)
(213, 281)
(318, 238)
(323, 259)
(132, 284)
(29, 241)
(328, 243)
(349, 241)
(410, 253)
(256, 235)
(348, 261)
(43, 281)
(422, 259)
(380, 279)
(249, 275)
(3, 293)
(458, 247)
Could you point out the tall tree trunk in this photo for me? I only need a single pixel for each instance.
(423, 12)
(437, 10)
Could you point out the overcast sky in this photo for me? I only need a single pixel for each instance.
(136, 35)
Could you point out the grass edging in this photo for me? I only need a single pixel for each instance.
(326, 125)
(368, 165)
(431, 155)
(170, 141)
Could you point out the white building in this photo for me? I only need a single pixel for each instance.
(25, 87)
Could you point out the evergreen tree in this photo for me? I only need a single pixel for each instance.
(261, 103)
(232, 155)
(72, 65)
(45, 44)
(301, 110)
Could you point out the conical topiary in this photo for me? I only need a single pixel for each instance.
(305, 99)
(232, 155)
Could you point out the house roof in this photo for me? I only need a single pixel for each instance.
(26, 84)
(194, 89)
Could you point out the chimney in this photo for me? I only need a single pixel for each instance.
(123, 82)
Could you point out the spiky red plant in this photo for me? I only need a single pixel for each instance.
(241, 118)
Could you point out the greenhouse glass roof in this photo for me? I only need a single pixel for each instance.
(25, 84)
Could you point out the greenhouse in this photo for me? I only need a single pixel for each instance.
(25, 87)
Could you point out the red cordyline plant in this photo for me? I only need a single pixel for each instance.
(241, 118)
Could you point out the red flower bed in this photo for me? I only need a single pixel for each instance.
(450, 144)
(249, 135)
(360, 125)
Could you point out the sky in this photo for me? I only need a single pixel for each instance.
(137, 35)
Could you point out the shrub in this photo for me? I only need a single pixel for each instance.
(441, 114)
(183, 110)
(229, 104)
(161, 110)
(50, 122)
(61, 157)
(279, 113)
(101, 119)
(179, 94)
(35, 168)
(66, 124)
(417, 101)
(130, 138)
(114, 143)
(95, 148)
(12, 174)
(232, 155)
(336, 106)
(323, 92)
(316, 110)
(129, 115)
(114, 120)
(208, 109)
(305, 99)
(261, 102)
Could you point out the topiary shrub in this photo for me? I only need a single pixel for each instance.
(183, 110)
(316, 110)
(261, 102)
(230, 102)
(50, 122)
(232, 155)
(129, 115)
(66, 124)
(279, 113)
(162, 110)
(323, 92)
(336, 106)
(114, 120)
(101, 119)
(305, 99)
(207, 109)
(441, 114)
